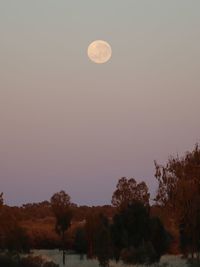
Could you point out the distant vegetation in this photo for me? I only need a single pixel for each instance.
(132, 229)
(14, 260)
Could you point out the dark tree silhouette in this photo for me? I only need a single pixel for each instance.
(1, 200)
(103, 241)
(91, 229)
(61, 207)
(80, 241)
(98, 238)
(130, 227)
(128, 191)
(135, 233)
(179, 193)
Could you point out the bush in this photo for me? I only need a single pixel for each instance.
(13, 260)
(193, 262)
(144, 254)
(9, 260)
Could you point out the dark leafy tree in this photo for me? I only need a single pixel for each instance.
(91, 228)
(61, 207)
(130, 226)
(102, 242)
(80, 242)
(135, 233)
(129, 191)
(159, 237)
(98, 238)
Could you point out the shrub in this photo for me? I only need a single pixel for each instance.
(13, 260)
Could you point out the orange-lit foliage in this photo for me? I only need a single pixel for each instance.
(128, 191)
(179, 194)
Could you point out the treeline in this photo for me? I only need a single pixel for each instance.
(34, 225)
(43, 210)
(130, 230)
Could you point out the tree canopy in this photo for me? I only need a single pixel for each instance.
(138, 238)
(179, 193)
(129, 191)
(62, 209)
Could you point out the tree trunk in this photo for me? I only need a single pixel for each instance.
(63, 257)
(63, 246)
(90, 250)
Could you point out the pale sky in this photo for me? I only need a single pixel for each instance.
(67, 123)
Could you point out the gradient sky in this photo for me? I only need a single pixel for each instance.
(67, 123)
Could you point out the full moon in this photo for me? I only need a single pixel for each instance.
(99, 51)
